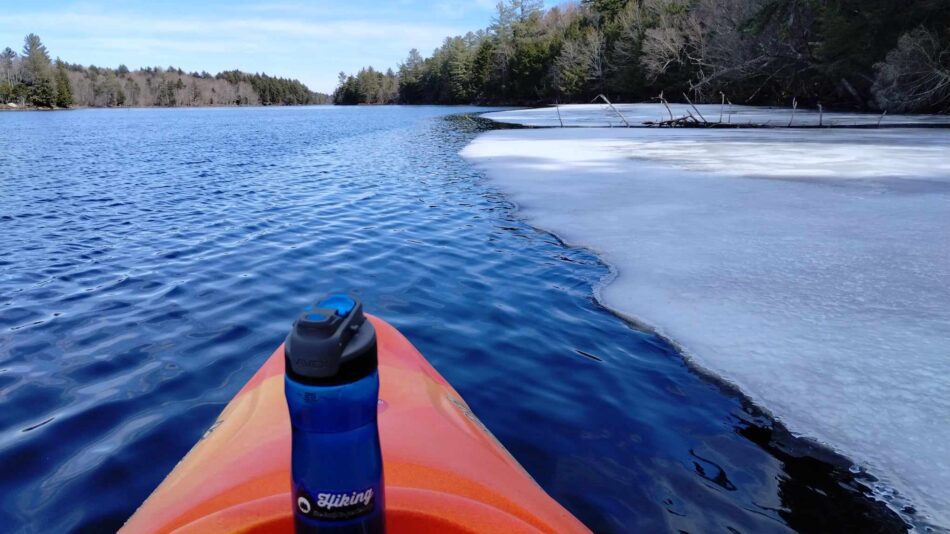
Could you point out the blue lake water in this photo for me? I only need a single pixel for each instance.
(151, 259)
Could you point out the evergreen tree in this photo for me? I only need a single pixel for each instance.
(42, 93)
(64, 93)
(37, 72)
(36, 61)
(530, 61)
(460, 77)
(483, 70)
(410, 78)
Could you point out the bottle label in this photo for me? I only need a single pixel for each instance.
(334, 506)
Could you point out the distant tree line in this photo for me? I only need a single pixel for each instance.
(32, 78)
(877, 54)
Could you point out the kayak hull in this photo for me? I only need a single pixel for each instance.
(444, 471)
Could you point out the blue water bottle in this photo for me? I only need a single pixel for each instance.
(332, 389)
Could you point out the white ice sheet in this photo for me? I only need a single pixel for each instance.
(811, 268)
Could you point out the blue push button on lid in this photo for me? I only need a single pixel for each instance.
(342, 304)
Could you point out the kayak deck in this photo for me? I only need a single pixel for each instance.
(444, 471)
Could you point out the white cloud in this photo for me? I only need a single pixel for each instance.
(126, 24)
(312, 49)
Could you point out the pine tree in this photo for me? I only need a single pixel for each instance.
(64, 93)
(36, 60)
(37, 75)
(42, 93)
(459, 72)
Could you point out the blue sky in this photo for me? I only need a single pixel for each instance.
(311, 41)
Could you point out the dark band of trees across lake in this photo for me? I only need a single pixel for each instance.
(851, 54)
(33, 79)
(858, 54)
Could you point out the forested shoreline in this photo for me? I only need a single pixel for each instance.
(850, 54)
(33, 79)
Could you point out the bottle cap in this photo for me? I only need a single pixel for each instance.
(331, 342)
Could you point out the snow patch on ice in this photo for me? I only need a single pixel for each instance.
(811, 268)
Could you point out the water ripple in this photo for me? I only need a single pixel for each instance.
(150, 260)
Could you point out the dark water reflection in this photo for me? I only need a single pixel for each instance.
(150, 260)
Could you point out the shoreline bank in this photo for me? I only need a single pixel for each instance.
(77, 108)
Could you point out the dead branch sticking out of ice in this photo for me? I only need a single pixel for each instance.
(663, 113)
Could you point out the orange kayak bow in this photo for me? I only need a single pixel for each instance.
(444, 471)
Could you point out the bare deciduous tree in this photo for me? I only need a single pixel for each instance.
(915, 74)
